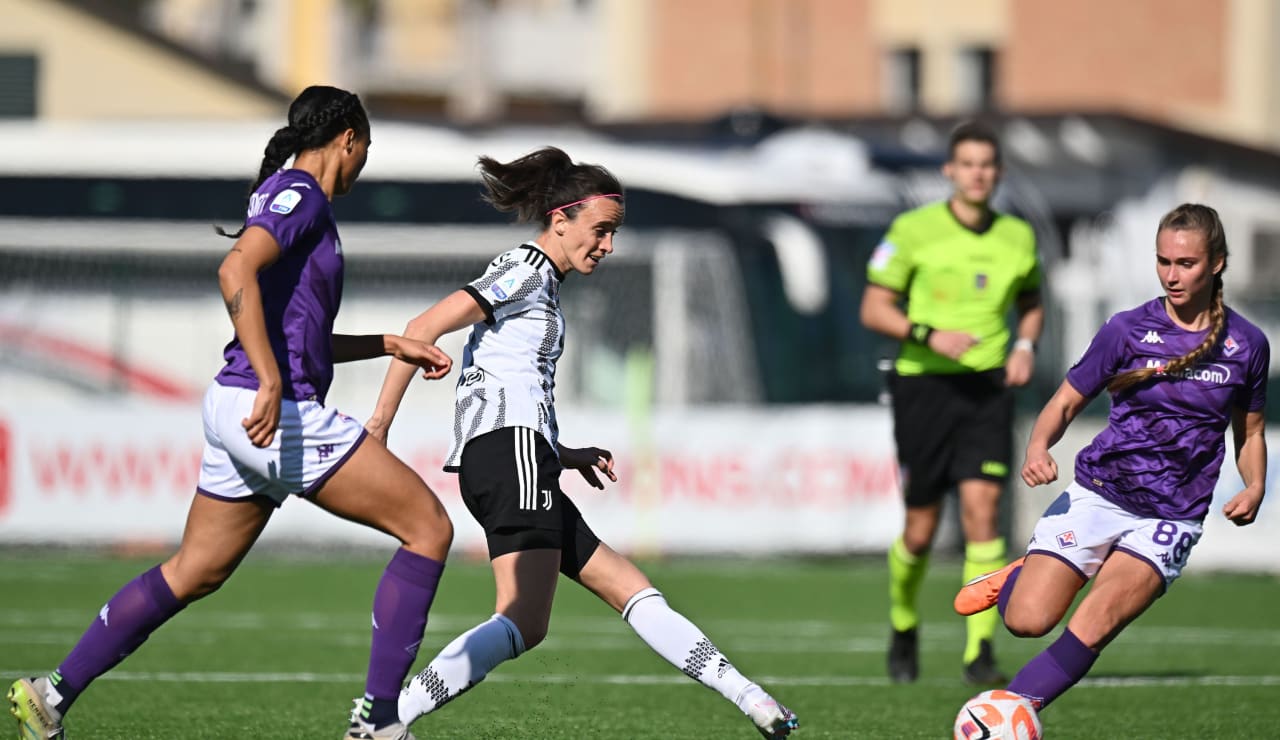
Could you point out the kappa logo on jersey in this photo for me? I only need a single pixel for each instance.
(285, 202)
(1152, 337)
(882, 254)
(1066, 539)
(1230, 346)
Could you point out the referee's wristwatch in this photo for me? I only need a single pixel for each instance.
(920, 333)
(1024, 343)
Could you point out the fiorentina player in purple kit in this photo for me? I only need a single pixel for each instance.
(1180, 369)
(268, 433)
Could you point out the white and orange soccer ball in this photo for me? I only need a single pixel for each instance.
(998, 715)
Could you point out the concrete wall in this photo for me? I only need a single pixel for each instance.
(88, 69)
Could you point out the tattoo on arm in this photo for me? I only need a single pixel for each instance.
(235, 304)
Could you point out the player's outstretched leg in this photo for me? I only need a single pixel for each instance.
(122, 625)
(460, 665)
(682, 644)
(36, 715)
(400, 605)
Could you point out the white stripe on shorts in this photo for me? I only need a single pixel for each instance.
(526, 468)
(531, 450)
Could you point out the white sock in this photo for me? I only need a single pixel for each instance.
(684, 646)
(462, 664)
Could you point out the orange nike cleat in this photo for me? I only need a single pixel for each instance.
(982, 592)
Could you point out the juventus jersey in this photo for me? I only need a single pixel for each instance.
(509, 365)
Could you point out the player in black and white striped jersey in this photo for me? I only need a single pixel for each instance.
(520, 296)
(509, 458)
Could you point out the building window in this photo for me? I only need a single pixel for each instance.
(976, 79)
(1265, 270)
(902, 80)
(18, 85)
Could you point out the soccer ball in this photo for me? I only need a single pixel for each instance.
(998, 715)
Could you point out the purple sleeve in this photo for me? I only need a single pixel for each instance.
(1254, 395)
(289, 215)
(1101, 361)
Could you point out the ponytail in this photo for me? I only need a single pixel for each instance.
(282, 146)
(542, 182)
(318, 114)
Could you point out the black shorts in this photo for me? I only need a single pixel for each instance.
(510, 482)
(950, 428)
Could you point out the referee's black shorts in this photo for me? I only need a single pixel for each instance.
(950, 428)
(510, 482)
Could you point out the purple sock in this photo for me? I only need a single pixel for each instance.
(1002, 599)
(400, 607)
(1054, 670)
(124, 623)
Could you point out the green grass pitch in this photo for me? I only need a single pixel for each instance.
(281, 650)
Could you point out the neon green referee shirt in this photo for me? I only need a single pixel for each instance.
(956, 279)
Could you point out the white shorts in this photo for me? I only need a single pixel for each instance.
(1081, 529)
(310, 444)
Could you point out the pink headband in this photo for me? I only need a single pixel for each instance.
(584, 200)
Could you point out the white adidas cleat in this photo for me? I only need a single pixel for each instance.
(772, 719)
(362, 730)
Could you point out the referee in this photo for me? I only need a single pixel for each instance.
(960, 266)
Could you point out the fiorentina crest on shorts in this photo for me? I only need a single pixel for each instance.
(1066, 539)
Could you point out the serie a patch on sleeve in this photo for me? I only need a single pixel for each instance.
(285, 202)
(883, 253)
(502, 288)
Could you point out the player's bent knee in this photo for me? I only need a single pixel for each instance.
(192, 584)
(426, 528)
(432, 538)
(1028, 622)
(533, 629)
(533, 637)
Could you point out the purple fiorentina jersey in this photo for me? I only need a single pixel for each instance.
(1163, 446)
(300, 291)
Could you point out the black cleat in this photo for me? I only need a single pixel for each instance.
(982, 671)
(904, 656)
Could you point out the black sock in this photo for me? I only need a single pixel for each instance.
(68, 692)
(382, 712)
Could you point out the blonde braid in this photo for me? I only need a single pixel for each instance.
(1217, 318)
